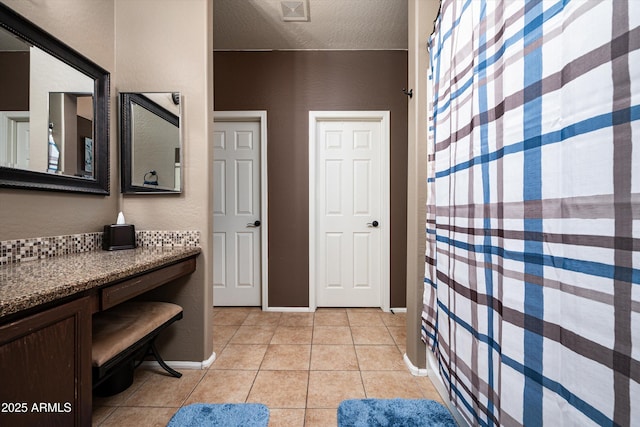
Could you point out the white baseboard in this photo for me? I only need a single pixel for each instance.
(182, 364)
(209, 361)
(290, 309)
(415, 371)
(311, 310)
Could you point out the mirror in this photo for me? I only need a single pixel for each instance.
(54, 116)
(151, 142)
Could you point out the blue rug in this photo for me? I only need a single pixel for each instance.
(393, 412)
(225, 414)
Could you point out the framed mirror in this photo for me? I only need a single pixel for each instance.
(54, 112)
(151, 142)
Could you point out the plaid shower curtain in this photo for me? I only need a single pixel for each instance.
(532, 287)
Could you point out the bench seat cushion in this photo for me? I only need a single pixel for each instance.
(120, 327)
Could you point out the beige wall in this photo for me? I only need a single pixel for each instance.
(44, 213)
(422, 13)
(169, 49)
(145, 48)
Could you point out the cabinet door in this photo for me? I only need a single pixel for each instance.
(45, 368)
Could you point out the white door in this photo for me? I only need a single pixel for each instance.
(14, 139)
(22, 145)
(236, 211)
(351, 204)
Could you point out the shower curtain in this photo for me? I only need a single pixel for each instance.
(532, 278)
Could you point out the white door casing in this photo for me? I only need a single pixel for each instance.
(349, 219)
(239, 201)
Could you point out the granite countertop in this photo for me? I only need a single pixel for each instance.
(28, 284)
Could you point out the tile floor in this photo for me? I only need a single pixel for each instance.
(301, 365)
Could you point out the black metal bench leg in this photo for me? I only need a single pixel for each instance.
(154, 351)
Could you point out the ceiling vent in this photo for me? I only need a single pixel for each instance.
(295, 10)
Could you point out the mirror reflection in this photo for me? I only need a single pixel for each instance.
(151, 142)
(46, 112)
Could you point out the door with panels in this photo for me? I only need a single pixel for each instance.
(236, 214)
(351, 229)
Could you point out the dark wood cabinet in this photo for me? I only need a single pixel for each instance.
(45, 349)
(45, 367)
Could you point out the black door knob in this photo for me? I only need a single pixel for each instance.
(373, 224)
(256, 223)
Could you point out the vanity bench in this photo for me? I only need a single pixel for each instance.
(47, 309)
(124, 333)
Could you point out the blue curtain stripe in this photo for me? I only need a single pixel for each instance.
(584, 407)
(607, 271)
(481, 75)
(596, 123)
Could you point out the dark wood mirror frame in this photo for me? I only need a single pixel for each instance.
(127, 99)
(25, 179)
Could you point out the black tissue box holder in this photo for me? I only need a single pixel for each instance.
(119, 236)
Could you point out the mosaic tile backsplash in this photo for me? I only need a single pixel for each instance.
(35, 248)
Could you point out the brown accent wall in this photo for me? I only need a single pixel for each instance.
(14, 81)
(289, 84)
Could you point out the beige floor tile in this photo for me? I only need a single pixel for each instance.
(286, 417)
(287, 357)
(321, 418)
(390, 385)
(331, 318)
(230, 317)
(394, 319)
(364, 318)
(296, 319)
(399, 334)
(262, 318)
(100, 413)
(379, 358)
(328, 388)
(253, 335)
(223, 387)
(218, 348)
(292, 335)
(221, 336)
(364, 310)
(165, 390)
(333, 358)
(136, 416)
(280, 389)
(140, 376)
(365, 335)
(428, 389)
(259, 354)
(332, 335)
(248, 357)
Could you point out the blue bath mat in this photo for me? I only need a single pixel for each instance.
(225, 414)
(393, 412)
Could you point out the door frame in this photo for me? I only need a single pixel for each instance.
(259, 116)
(385, 215)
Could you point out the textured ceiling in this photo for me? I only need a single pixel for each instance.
(333, 24)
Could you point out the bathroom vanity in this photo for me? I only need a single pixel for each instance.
(46, 307)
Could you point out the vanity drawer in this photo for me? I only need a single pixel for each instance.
(123, 291)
